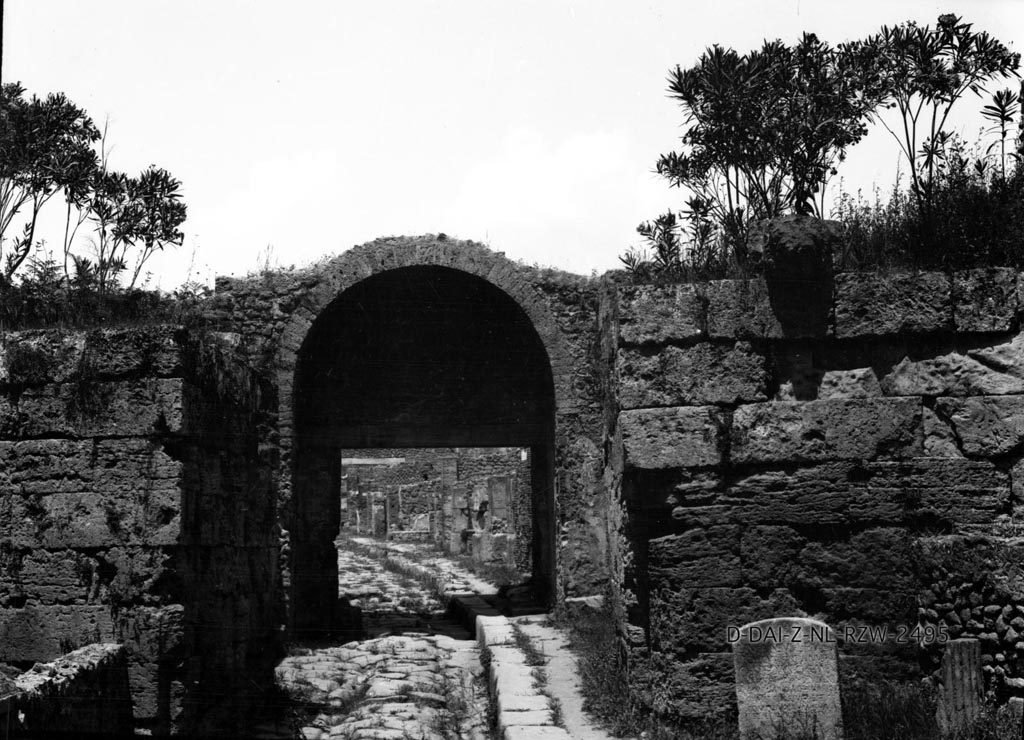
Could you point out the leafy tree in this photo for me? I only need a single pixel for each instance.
(924, 72)
(45, 146)
(1001, 111)
(765, 132)
(156, 213)
(48, 146)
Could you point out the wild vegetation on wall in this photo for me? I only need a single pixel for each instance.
(113, 222)
(767, 130)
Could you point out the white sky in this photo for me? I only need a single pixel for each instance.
(531, 126)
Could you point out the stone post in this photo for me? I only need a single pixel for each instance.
(959, 699)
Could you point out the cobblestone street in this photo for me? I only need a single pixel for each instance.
(419, 674)
(403, 687)
(425, 683)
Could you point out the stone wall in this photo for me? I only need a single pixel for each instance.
(110, 442)
(82, 694)
(768, 470)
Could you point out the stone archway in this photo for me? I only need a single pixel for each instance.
(406, 343)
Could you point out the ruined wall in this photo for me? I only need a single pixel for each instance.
(103, 437)
(771, 471)
(82, 694)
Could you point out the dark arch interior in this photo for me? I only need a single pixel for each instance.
(414, 357)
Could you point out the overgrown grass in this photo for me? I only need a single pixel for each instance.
(605, 688)
(972, 220)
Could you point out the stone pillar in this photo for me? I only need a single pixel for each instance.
(316, 525)
(959, 699)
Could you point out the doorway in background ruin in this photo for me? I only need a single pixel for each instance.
(414, 358)
(473, 504)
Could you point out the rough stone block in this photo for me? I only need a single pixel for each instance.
(877, 304)
(996, 370)
(985, 299)
(1020, 294)
(741, 309)
(922, 489)
(939, 440)
(649, 313)
(857, 383)
(703, 374)
(50, 577)
(878, 557)
(697, 558)
(826, 430)
(787, 675)
(88, 519)
(121, 408)
(44, 633)
(672, 437)
(40, 356)
(768, 554)
(151, 350)
(698, 619)
(987, 426)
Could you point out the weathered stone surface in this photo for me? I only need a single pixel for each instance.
(876, 304)
(768, 554)
(84, 693)
(45, 632)
(987, 426)
(959, 691)
(925, 489)
(95, 519)
(650, 313)
(741, 309)
(672, 437)
(787, 675)
(875, 558)
(858, 383)
(117, 408)
(826, 430)
(939, 440)
(991, 371)
(697, 558)
(115, 467)
(1020, 294)
(64, 576)
(151, 351)
(40, 356)
(1017, 485)
(795, 247)
(985, 300)
(703, 374)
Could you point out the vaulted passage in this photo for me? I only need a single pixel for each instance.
(421, 357)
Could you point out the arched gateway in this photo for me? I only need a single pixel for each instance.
(421, 342)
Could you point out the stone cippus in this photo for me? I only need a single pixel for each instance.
(847, 634)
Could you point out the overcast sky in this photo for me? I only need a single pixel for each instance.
(315, 126)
